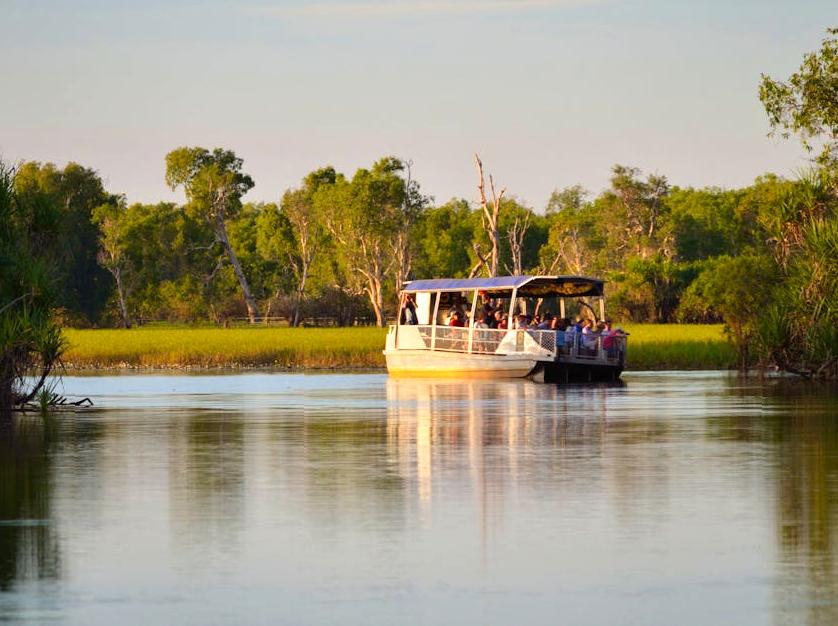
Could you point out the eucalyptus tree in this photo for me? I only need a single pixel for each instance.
(113, 251)
(444, 237)
(636, 208)
(214, 185)
(574, 233)
(363, 216)
(296, 232)
(403, 245)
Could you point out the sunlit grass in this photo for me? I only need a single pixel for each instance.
(162, 346)
(651, 346)
(678, 346)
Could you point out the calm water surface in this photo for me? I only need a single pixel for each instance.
(684, 498)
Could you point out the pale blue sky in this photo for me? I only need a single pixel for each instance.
(549, 92)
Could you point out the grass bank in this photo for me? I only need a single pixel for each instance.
(651, 346)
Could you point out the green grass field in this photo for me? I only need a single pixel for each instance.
(650, 347)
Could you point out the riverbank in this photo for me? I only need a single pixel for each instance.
(651, 347)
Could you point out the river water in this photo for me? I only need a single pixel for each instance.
(678, 498)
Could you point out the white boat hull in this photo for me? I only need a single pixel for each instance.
(441, 364)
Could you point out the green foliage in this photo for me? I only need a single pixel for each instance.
(806, 104)
(214, 186)
(31, 343)
(737, 289)
(62, 204)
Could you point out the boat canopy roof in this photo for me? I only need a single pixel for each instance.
(537, 286)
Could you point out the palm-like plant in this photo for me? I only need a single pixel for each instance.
(31, 343)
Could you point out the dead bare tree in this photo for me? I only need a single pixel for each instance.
(516, 236)
(490, 215)
(482, 261)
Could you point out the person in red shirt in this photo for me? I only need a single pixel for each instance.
(456, 319)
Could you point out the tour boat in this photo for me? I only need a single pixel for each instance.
(425, 341)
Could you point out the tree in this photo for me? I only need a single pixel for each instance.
(73, 192)
(299, 230)
(574, 234)
(214, 185)
(570, 199)
(363, 217)
(491, 216)
(31, 343)
(444, 236)
(739, 289)
(113, 255)
(403, 244)
(807, 103)
(638, 207)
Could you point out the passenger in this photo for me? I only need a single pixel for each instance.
(589, 336)
(488, 309)
(408, 315)
(570, 333)
(547, 323)
(609, 342)
(498, 316)
(521, 321)
(481, 321)
(560, 325)
(456, 319)
(503, 324)
(457, 306)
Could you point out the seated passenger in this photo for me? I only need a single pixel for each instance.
(547, 323)
(521, 321)
(560, 325)
(481, 321)
(570, 334)
(589, 335)
(456, 319)
(504, 322)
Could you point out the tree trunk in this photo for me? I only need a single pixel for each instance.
(250, 302)
(301, 289)
(123, 307)
(490, 215)
(376, 297)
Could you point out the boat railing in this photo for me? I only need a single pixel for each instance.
(478, 340)
(609, 349)
(544, 344)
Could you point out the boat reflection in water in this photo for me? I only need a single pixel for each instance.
(484, 437)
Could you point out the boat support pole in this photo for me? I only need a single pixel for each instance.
(433, 321)
(472, 320)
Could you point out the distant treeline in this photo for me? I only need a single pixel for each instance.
(334, 245)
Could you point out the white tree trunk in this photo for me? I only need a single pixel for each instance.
(250, 302)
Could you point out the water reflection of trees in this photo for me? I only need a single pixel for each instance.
(207, 479)
(798, 424)
(29, 546)
(804, 431)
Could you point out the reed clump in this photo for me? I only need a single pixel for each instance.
(651, 347)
